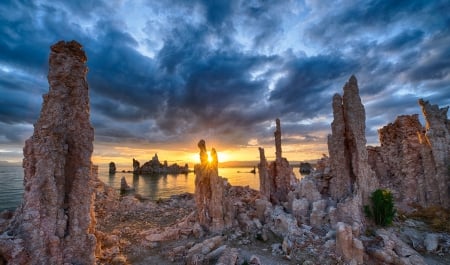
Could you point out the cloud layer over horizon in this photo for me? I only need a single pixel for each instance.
(167, 73)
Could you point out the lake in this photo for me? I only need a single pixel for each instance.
(152, 186)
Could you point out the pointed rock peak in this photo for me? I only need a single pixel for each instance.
(351, 87)
(337, 98)
(353, 80)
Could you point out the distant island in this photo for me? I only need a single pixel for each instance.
(155, 167)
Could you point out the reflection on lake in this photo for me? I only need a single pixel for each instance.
(164, 186)
(152, 186)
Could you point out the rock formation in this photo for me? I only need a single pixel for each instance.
(305, 168)
(55, 223)
(112, 168)
(347, 146)
(155, 167)
(437, 136)
(412, 161)
(215, 209)
(136, 166)
(124, 187)
(276, 178)
(265, 181)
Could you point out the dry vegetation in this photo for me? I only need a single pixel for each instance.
(436, 217)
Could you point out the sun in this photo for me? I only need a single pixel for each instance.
(221, 156)
(209, 156)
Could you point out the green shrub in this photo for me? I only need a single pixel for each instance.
(382, 211)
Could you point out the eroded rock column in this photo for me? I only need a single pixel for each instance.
(347, 147)
(265, 181)
(215, 209)
(55, 222)
(276, 179)
(438, 138)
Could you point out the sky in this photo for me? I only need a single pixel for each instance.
(165, 74)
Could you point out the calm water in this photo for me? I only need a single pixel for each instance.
(163, 186)
(11, 187)
(153, 186)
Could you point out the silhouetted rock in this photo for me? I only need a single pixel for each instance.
(305, 168)
(124, 187)
(276, 179)
(215, 209)
(155, 167)
(136, 166)
(55, 223)
(112, 168)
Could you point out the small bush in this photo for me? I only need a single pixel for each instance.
(382, 211)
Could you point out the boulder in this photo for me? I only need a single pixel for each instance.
(348, 246)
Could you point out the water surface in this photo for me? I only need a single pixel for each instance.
(152, 186)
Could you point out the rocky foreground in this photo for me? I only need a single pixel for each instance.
(137, 231)
(69, 217)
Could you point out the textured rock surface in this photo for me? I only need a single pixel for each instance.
(412, 161)
(214, 208)
(348, 245)
(56, 219)
(265, 181)
(347, 147)
(392, 250)
(276, 178)
(438, 137)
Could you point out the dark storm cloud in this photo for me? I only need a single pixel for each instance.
(308, 78)
(343, 22)
(403, 40)
(398, 45)
(226, 69)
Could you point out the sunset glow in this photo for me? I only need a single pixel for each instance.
(161, 81)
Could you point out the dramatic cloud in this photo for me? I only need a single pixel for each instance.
(163, 74)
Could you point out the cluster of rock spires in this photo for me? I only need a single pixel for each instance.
(56, 222)
(155, 167)
(276, 178)
(318, 218)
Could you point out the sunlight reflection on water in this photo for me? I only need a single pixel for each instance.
(152, 186)
(164, 186)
